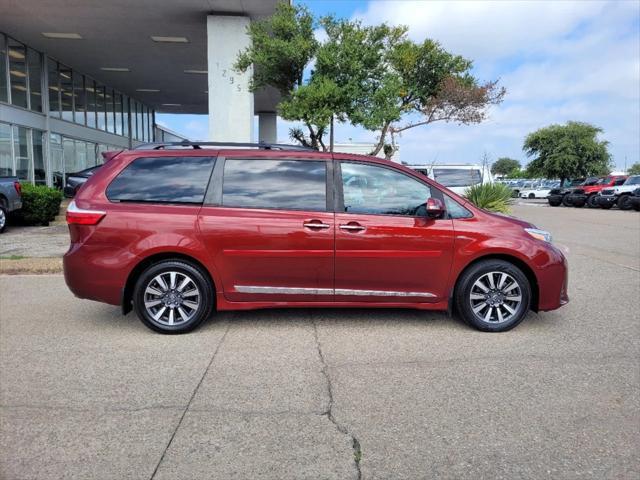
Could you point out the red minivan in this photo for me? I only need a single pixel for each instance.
(176, 231)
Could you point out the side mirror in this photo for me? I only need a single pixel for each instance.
(435, 208)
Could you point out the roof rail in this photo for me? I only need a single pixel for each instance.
(199, 145)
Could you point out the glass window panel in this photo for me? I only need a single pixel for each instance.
(125, 116)
(100, 106)
(281, 184)
(18, 73)
(144, 123)
(91, 102)
(376, 190)
(35, 79)
(454, 209)
(69, 153)
(109, 108)
(139, 115)
(4, 95)
(155, 180)
(56, 160)
(457, 177)
(152, 129)
(39, 173)
(118, 109)
(6, 162)
(134, 119)
(21, 151)
(66, 92)
(79, 99)
(54, 88)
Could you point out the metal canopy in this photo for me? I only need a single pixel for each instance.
(118, 34)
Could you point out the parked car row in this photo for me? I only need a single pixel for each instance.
(10, 198)
(599, 192)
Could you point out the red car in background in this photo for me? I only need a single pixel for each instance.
(587, 194)
(176, 231)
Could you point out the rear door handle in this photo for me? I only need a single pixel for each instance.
(315, 224)
(353, 228)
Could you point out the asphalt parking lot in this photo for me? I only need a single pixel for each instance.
(333, 394)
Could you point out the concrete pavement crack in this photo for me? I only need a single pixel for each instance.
(206, 370)
(355, 443)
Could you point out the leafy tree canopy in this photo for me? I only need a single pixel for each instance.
(504, 166)
(370, 76)
(634, 169)
(567, 151)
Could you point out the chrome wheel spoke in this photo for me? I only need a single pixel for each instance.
(503, 277)
(481, 285)
(182, 314)
(477, 296)
(513, 298)
(152, 303)
(190, 304)
(161, 282)
(491, 282)
(184, 283)
(172, 280)
(171, 315)
(487, 317)
(153, 291)
(508, 308)
(478, 308)
(159, 313)
(500, 317)
(191, 293)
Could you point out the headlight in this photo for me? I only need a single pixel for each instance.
(539, 234)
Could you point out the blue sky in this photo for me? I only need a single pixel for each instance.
(558, 60)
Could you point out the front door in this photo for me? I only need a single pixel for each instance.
(269, 232)
(387, 249)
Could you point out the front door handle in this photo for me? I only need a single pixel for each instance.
(315, 224)
(353, 227)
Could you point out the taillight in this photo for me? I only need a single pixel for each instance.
(18, 188)
(79, 216)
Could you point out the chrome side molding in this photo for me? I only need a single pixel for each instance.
(328, 291)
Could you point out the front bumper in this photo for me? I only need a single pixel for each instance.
(606, 200)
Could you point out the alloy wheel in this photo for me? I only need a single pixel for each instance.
(3, 218)
(495, 297)
(171, 298)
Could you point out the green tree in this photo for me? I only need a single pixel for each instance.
(634, 169)
(504, 166)
(567, 151)
(370, 76)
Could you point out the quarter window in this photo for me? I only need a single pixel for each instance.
(163, 180)
(279, 184)
(376, 190)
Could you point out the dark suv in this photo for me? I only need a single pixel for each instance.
(178, 233)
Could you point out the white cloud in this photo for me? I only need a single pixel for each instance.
(560, 61)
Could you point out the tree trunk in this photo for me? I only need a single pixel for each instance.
(383, 136)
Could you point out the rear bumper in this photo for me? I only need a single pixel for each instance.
(95, 275)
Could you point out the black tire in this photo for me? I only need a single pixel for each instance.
(623, 202)
(578, 204)
(195, 316)
(566, 201)
(3, 218)
(591, 201)
(467, 283)
(606, 206)
(532, 195)
(555, 203)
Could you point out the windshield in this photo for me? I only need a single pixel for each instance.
(633, 180)
(457, 177)
(591, 181)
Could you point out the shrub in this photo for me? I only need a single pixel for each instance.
(40, 204)
(494, 197)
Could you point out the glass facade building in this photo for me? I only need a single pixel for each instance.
(55, 120)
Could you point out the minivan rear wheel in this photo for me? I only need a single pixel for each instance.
(493, 295)
(173, 297)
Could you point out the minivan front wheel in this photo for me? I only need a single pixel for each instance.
(493, 296)
(173, 297)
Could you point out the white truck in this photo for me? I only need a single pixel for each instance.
(618, 195)
(456, 177)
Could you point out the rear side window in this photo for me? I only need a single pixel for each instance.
(275, 184)
(163, 180)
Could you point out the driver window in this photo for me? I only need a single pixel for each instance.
(374, 190)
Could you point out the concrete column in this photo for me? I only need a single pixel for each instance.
(267, 127)
(230, 101)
